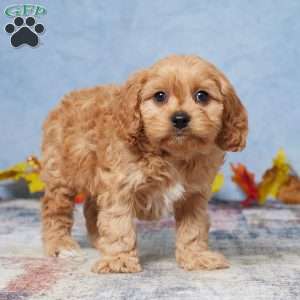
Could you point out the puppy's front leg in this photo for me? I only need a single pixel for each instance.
(117, 238)
(192, 225)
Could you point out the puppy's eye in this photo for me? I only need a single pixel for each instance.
(160, 96)
(201, 97)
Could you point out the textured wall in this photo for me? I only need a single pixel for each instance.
(256, 43)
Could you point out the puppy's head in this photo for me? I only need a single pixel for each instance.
(183, 105)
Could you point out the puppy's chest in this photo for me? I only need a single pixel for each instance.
(162, 186)
(172, 194)
(157, 200)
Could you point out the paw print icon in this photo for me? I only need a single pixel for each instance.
(24, 32)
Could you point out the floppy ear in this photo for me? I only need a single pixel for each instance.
(234, 131)
(128, 110)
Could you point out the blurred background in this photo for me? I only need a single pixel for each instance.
(256, 44)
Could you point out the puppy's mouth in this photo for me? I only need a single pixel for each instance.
(179, 139)
(183, 136)
(180, 135)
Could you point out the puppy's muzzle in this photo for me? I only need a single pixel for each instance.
(180, 119)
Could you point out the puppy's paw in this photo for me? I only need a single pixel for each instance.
(120, 264)
(63, 248)
(205, 260)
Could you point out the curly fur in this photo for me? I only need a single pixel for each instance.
(118, 146)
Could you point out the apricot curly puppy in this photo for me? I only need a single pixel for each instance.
(139, 150)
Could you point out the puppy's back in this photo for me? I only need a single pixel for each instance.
(72, 131)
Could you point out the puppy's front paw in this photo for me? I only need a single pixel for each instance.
(120, 264)
(65, 247)
(205, 260)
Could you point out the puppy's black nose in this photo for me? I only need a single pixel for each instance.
(180, 119)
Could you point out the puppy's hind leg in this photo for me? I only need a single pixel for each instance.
(91, 213)
(57, 221)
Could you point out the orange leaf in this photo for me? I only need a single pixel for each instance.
(246, 182)
(80, 198)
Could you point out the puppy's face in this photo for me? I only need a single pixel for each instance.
(185, 105)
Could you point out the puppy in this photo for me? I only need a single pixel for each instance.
(140, 150)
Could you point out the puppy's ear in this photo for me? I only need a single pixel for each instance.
(234, 131)
(128, 110)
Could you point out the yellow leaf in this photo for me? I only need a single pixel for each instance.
(280, 159)
(24, 170)
(14, 172)
(34, 182)
(217, 183)
(274, 178)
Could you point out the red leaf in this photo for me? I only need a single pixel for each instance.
(246, 182)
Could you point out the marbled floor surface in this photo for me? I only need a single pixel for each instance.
(262, 244)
